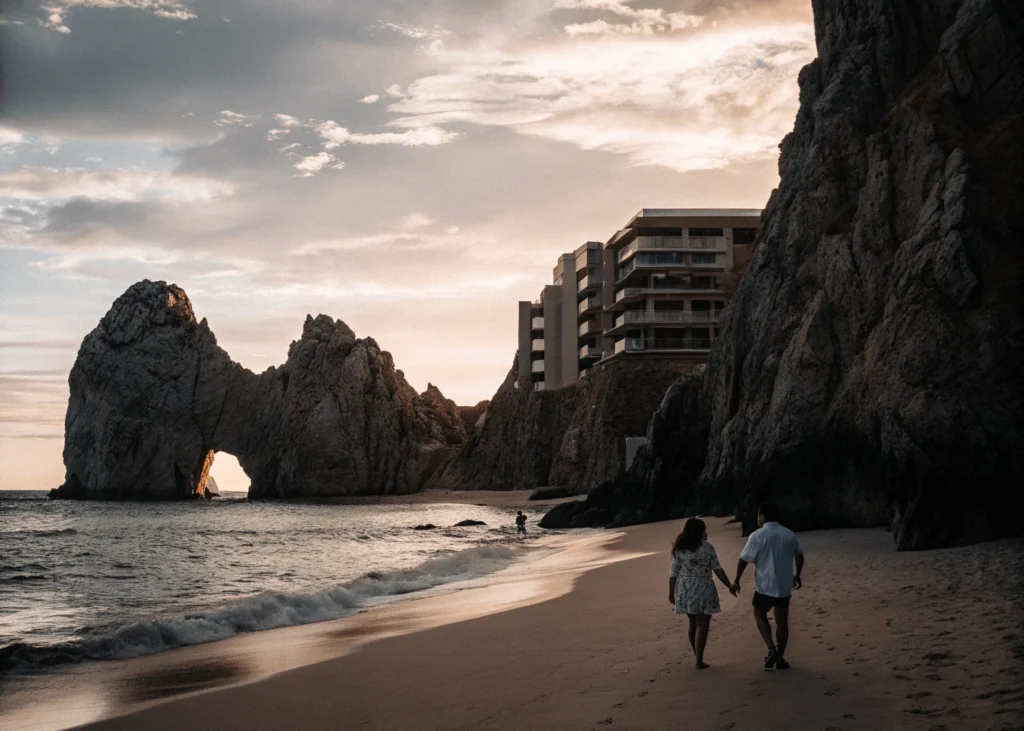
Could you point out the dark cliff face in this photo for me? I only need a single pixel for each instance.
(573, 436)
(870, 367)
(153, 397)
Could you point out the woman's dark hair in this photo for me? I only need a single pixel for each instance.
(692, 535)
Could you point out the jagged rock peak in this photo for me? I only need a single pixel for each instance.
(325, 327)
(153, 398)
(146, 305)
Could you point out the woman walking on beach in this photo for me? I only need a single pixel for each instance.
(690, 587)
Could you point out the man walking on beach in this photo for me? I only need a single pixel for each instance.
(773, 550)
(520, 523)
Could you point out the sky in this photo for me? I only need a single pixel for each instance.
(412, 167)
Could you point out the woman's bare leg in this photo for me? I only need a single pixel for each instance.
(703, 627)
(692, 632)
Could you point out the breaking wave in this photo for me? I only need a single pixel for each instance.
(269, 610)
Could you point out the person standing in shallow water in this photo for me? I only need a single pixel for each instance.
(520, 523)
(773, 549)
(690, 587)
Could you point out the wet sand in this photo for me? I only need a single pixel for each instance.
(881, 640)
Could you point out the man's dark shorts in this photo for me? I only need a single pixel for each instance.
(763, 602)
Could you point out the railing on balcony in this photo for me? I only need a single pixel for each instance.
(537, 366)
(593, 279)
(590, 351)
(537, 323)
(590, 327)
(674, 289)
(705, 242)
(651, 317)
(667, 259)
(538, 385)
(537, 345)
(640, 345)
(590, 303)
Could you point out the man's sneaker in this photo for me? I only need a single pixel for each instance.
(770, 659)
(781, 664)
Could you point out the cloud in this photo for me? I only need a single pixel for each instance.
(715, 98)
(416, 33)
(107, 184)
(370, 99)
(10, 136)
(335, 135)
(57, 10)
(228, 118)
(309, 166)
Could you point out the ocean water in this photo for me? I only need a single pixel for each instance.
(95, 580)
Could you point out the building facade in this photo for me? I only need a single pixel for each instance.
(656, 288)
(558, 336)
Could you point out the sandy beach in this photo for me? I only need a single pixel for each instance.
(880, 640)
(584, 638)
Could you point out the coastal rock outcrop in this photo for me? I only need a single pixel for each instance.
(153, 397)
(870, 368)
(572, 437)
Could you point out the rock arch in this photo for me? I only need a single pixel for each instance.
(153, 397)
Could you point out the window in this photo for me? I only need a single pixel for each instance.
(703, 258)
(706, 232)
(744, 236)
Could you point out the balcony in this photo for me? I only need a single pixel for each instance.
(590, 327)
(670, 317)
(592, 258)
(590, 352)
(590, 304)
(593, 280)
(678, 289)
(679, 243)
(663, 345)
(537, 366)
(538, 385)
(667, 260)
(537, 345)
(537, 323)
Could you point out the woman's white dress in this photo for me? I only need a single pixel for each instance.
(695, 589)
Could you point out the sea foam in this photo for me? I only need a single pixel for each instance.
(270, 610)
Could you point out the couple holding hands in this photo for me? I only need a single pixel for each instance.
(773, 549)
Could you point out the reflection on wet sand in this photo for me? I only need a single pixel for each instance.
(186, 677)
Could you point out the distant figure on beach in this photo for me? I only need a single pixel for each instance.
(690, 587)
(773, 549)
(520, 523)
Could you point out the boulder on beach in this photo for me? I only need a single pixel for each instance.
(553, 492)
(468, 522)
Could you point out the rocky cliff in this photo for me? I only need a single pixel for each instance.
(573, 436)
(153, 397)
(870, 366)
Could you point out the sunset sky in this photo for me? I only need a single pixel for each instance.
(412, 168)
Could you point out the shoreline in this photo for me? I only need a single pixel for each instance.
(880, 640)
(65, 696)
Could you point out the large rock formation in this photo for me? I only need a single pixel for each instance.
(870, 366)
(574, 436)
(153, 397)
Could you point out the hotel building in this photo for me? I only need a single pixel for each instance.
(655, 289)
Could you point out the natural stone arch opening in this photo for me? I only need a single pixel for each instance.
(226, 474)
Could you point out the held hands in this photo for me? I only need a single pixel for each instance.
(734, 588)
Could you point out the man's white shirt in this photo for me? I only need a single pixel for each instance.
(772, 549)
